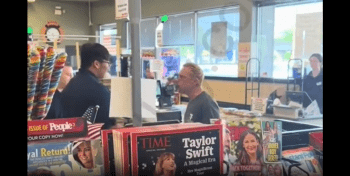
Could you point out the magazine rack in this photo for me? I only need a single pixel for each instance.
(293, 164)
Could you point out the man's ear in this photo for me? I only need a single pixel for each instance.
(96, 64)
(197, 81)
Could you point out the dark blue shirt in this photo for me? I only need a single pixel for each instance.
(55, 111)
(85, 90)
(313, 86)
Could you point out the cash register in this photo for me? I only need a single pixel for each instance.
(165, 110)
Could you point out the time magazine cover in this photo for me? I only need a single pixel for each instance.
(66, 158)
(121, 145)
(194, 151)
(244, 149)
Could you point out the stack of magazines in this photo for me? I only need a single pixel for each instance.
(180, 149)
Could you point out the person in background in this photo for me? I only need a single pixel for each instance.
(149, 74)
(313, 82)
(147, 71)
(86, 89)
(55, 110)
(201, 107)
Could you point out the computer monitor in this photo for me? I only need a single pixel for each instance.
(159, 90)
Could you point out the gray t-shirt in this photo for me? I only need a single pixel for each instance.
(202, 109)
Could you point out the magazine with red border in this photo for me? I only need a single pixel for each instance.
(108, 148)
(56, 129)
(193, 151)
(121, 144)
(307, 158)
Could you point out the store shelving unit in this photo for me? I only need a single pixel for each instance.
(251, 79)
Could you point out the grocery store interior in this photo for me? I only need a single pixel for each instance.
(267, 53)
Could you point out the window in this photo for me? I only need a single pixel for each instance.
(187, 38)
(226, 22)
(148, 32)
(178, 42)
(108, 33)
(289, 31)
(179, 30)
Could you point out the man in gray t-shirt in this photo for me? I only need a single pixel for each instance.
(201, 107)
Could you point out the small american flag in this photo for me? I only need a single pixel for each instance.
(94, 132)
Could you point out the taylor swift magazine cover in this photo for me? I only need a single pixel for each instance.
(189, 152)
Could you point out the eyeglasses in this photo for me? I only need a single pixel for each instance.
(109, 63)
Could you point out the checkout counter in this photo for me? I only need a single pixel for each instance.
(295, 128)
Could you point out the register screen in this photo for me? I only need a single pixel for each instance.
(158, 93)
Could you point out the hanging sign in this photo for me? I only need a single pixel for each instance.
(159, 35)
(243, 57)
(121, 9)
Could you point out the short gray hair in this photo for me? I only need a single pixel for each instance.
(196, 71)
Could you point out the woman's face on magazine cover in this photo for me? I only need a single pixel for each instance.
(271, 171)
(250, 144)
(267, 126)
(85, 154)
(278, 171)
(275, 126)
(169, 164)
